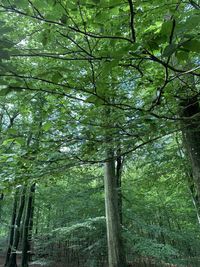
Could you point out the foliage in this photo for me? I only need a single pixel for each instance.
(78, 78)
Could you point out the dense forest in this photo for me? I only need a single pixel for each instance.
(100, 133)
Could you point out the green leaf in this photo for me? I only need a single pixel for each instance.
(39, 4)
(8, 141)
(12, 131)
(56, 77)
(192, 21)
(108, 66)
(192, 45)
(169, 50)
(187, 27)
(166, 28)
(47, 126)
(135, 47)
(94, 100)
(152, 44)
(45, 36)
(182, 55)
(22, 3)
(20, 141)
(55, 13)
(5, 43)
(44, 40)
(4, 91)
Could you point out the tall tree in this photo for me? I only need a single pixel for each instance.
(116, 255)
(12, 227)
(12, 262)
(27, 227)
(124, 55)
(191, 133)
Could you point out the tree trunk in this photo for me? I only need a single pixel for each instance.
(191, 138)
(12, 228)
(32, 212)
(1, 199)
(116, 257)
(119, 167)
(26, 227)
(37, 215)
(194, 195)
(13, 257)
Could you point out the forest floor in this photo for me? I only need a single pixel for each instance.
(31, 264)
(2, 261)
(59, 264)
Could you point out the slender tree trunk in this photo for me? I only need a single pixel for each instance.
(119, 167)
(26, 228)
(37, 215)
(1, 200)
(32, 212)
(116, 257)
(13, 257)
(191, 138)
(12, 228)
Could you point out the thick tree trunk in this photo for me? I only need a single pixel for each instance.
(191, 138)
(116, 257)
(13, 257)
(26, 227)
(194, 195)
(12, 228)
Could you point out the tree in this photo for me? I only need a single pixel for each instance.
(127, 56)
(190, 113)
(12, 226)
(116, 256)
(12, 262)
(27, 227)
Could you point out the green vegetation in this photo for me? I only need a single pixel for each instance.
(100, 132)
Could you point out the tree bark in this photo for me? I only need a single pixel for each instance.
(1, 200)
(32, 212)
(116, 256)
(119, 167)
(26, 227)
(191, 138)
(13, 257)
(194, 195)
(12, 228)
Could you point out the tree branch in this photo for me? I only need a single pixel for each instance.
(132, 14)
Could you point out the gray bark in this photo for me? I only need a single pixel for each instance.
(119, 167)
(194, 195)
(1, 200)
(116, 256)
(26, 228)
(12, 229)
(13, 257)
(191, 138)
